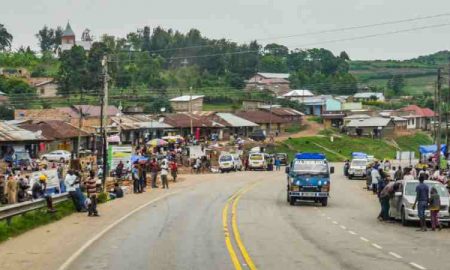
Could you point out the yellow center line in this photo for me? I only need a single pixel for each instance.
(234, 258)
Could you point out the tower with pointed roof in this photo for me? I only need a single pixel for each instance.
(68, 36)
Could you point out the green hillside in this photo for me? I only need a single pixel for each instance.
(419, 73)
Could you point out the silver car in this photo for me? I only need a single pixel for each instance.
(402, 202)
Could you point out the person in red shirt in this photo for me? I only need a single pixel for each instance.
(174, 170)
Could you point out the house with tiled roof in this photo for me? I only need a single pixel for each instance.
(418, 117)
(277, 83)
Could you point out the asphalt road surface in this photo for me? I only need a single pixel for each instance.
(242, 221)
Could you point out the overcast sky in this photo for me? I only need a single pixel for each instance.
(243, 20)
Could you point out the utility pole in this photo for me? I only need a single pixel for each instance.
(80, 124)
(190, 110)
(104, 119)
(447, 111)
(438, 103)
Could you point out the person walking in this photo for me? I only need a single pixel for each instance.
(384, 202)
(398, 175)
(375, 175)
(154, 168)
(59, 173)
(174, 169)
(346, 167)
(277, 164)
(135, 177)
(164, 173)
(435, 205)
(11, 189)
(91, 189)
(421, 201)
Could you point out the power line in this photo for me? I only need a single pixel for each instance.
(333, 30)
(306, 44)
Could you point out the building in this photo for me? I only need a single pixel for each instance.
(333, 105)
(333, 119)
(13, 137)
(134, 128)
(68, 39)
(375, 127)
(61, 135)
(369, 96)
(418, 118)
(288, 114)
(298, 95)
(351, 106)
(277, 83)
(45, 87)
(187, 103)
(250, 104)
(400, 123)
(266, 120)
(315, 105)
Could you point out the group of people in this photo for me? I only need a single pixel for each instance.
(382, 180)
(153, 167)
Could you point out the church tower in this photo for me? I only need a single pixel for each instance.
(68, 36)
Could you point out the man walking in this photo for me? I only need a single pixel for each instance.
(164, 173)
(421, 201)
(91, 188)
(174, 169)
(59, 172)
(154, 167)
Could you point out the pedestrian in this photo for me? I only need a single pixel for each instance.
(408, 175)
(11, 189)
(382, 183)
(398, 175)
(154, 168)
(119, 170)
(39, 190)
(375, 175)
(135, 177)
(385, 195)
(164, 173)
(91, 188)
(435, 205)
(346, 167)
(421, 201)
(116, 192)
(277, 164)
(142, 179)
(72, 184)
(59, 173)
(23, 186)
(174, 169)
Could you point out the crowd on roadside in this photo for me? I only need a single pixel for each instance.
(382, 179)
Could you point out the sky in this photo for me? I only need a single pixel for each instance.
(245, 20)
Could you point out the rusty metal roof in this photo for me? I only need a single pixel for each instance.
(139, 121)
(11, 133)
(55, 129)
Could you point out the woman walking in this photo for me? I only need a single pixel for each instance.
(435, 205)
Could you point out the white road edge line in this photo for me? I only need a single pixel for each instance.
(395, 255)
(418, 266)
(335, 222)
(364, 239)
(352, 232)
(343, 227)
(75, 255)
(377, 246)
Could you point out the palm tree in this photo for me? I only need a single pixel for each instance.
(5, 38)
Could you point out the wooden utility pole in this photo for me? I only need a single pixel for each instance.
(190, 110)
(439, 103)
(447, 106)
(104, 120)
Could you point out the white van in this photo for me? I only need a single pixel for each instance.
(257, 161)
(358, 168)
(229, 162)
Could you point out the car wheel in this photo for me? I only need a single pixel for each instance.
(291, 201)
(403, 217)
(350, 177)
(324, 202)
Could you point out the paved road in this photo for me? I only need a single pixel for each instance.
(188, 230)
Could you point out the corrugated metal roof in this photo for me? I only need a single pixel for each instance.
(369, 122)
(55, 129)
(274, 75)
(10, 133)
(299, 93)
(236, 121)
(369, 95)
(139, 121)
(186, 98)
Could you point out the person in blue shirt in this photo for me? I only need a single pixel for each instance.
(422, 196)
(277, 164)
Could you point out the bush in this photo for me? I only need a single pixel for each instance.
(317, 119)
(294, 128)
(103, 197)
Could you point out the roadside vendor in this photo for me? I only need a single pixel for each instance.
(39, 190)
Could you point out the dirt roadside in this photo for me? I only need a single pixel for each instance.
(49, 246)
(312, 129)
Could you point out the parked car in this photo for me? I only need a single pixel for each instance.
(283, 157)
(403, 200)
(257, 161)
(258, 135)
(58, 155)
(229, 162)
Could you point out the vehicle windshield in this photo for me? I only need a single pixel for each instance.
(359, 163)
(281, 155)
(225, 158)
(310, 167)
(410, 189)
(256, 157)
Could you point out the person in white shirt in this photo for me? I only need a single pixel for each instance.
(73, 187)
(375, 178)
(164, 173)
(408, 175)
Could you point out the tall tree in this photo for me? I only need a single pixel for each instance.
(396, 84)
(5, 38)
(146, 46)
(46, 37)
(72, 75)
(276, 50)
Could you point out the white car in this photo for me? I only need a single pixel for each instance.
(57, 155)
(229, 162)
(403, 200)
(358, 168)
(257, 161)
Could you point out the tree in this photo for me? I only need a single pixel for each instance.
(146, 46)
(396, 84)
(94, 65)
(5, 38)
(276, 50)
(72, 75)
(344, 56)
(272, 63)
(46, 38)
